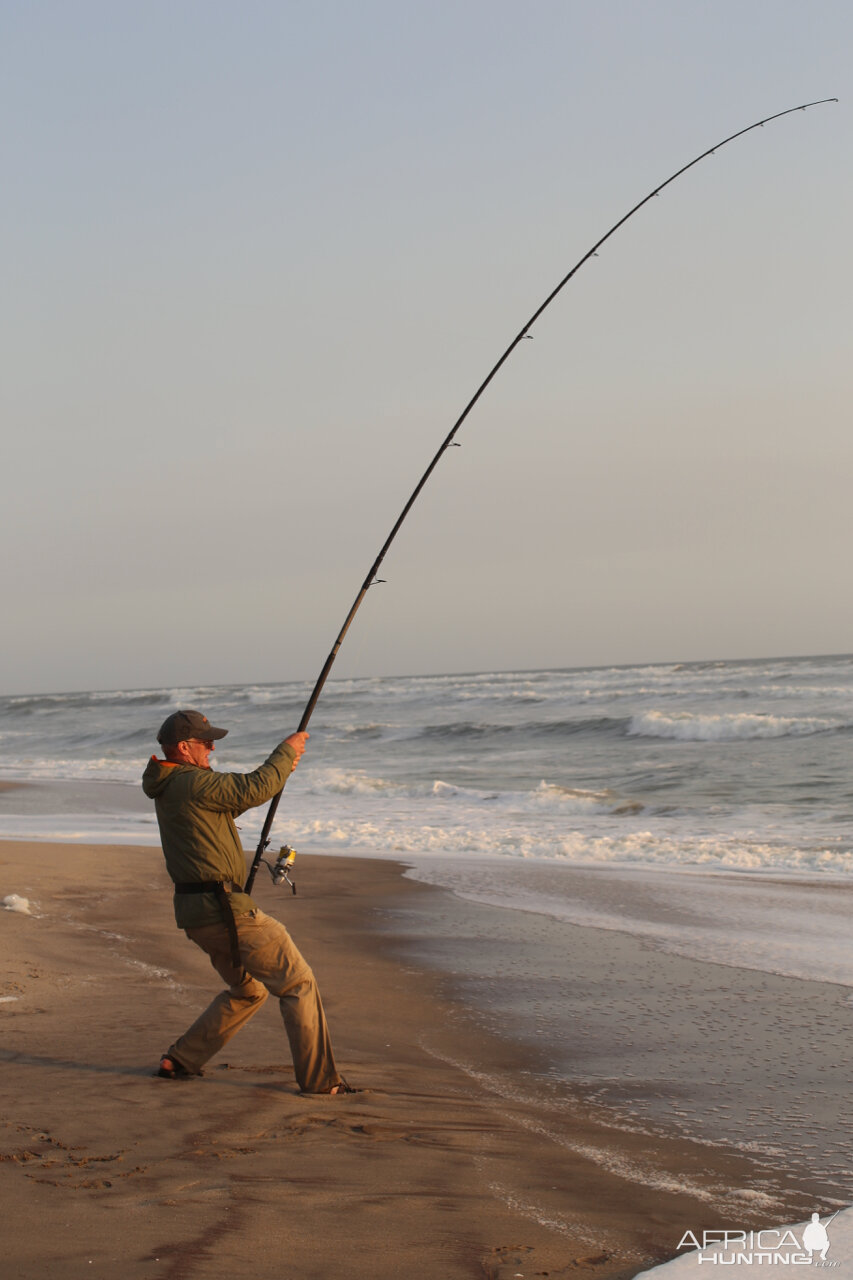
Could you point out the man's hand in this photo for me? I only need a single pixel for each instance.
(297, 741)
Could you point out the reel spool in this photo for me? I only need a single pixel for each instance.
(283, 865)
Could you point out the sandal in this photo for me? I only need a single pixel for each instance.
(171, 1069)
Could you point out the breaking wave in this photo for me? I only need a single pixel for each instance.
(686, 726)
(545, 796)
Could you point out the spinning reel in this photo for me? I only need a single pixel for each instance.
(283, 865)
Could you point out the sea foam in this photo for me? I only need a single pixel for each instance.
(14, 902)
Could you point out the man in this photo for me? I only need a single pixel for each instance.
(251, 951)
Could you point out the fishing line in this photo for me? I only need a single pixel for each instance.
(448, 441)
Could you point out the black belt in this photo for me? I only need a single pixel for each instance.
(223, 897)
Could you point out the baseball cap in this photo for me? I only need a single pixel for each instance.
(180, 726)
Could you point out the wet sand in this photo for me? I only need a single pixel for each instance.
(464, 1157)
(719, 1051)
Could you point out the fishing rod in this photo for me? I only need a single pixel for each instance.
(448, 441)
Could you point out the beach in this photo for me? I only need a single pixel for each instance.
(465, 1154)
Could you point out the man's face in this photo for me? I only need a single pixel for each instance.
(198, 752)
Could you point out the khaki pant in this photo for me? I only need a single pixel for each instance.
(271, 963)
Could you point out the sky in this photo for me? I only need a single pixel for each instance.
(257, 258)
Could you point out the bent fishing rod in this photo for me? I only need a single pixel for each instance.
(448, 441)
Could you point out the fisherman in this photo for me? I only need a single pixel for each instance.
(252, 952)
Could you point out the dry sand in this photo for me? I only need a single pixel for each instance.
(458, 1159)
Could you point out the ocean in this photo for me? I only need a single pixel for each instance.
(738, 766)
(704, 810)
(493, 783)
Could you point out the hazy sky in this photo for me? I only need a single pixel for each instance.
(257, 257)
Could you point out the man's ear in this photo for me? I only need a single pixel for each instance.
(181, 749)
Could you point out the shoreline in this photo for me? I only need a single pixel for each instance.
(465, 1156)
(714, 1051)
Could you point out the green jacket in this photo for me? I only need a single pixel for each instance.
(195, 812)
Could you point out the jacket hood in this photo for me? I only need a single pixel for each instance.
(157, 776)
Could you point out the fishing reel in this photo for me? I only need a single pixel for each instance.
(283, 865)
